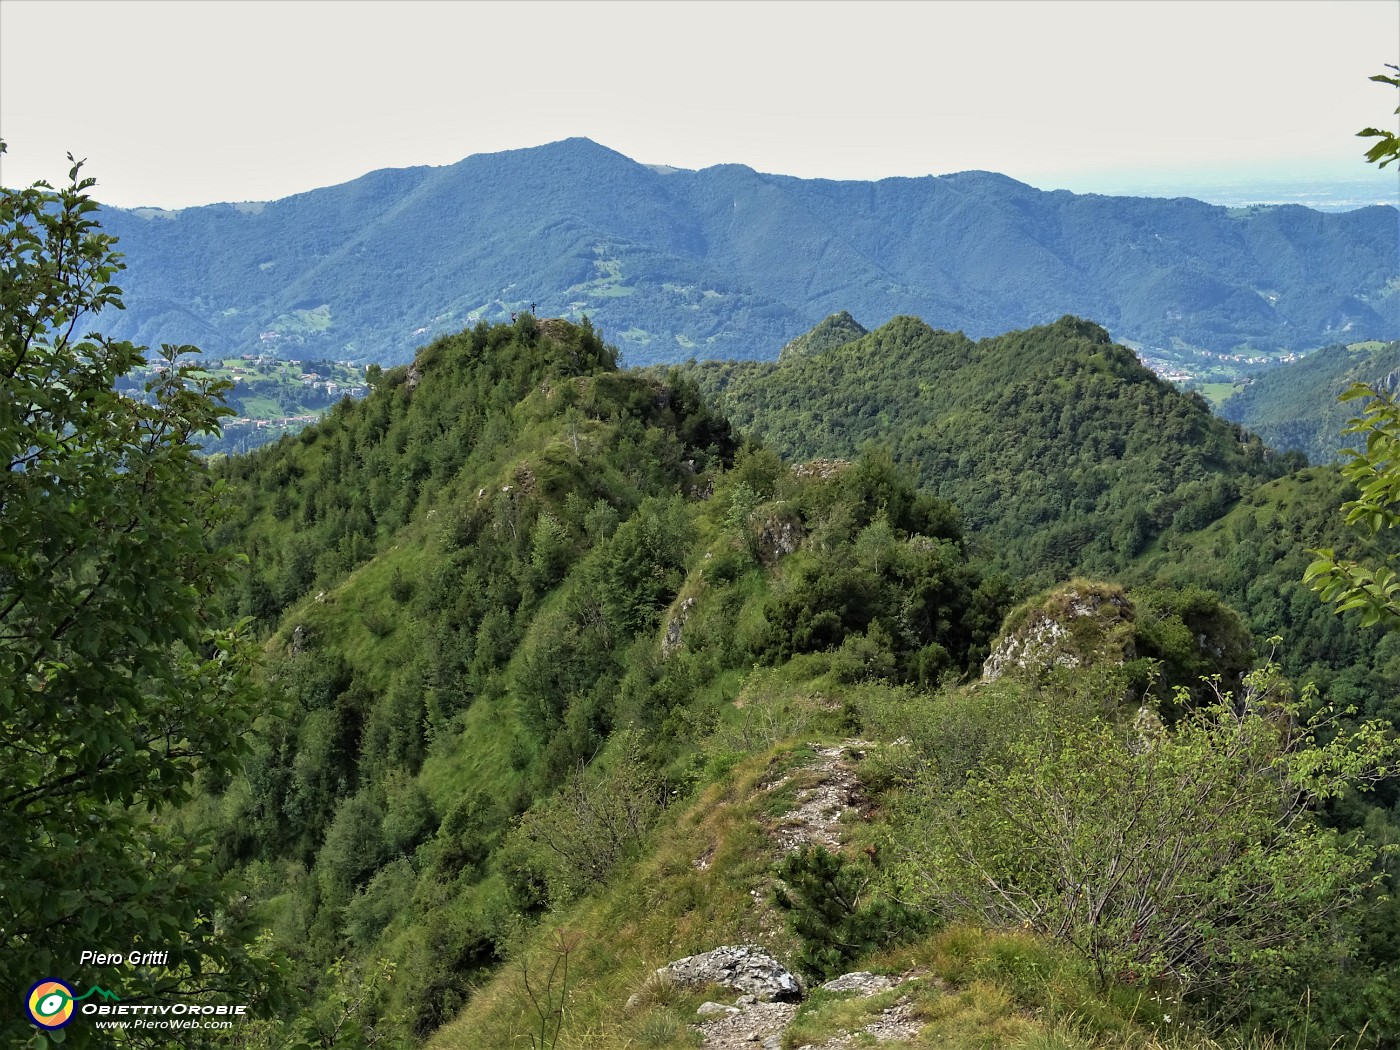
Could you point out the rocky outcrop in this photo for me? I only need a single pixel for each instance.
(780, 532)
(672, 641)
(746, 968)
(822, 469)
(1079, 623)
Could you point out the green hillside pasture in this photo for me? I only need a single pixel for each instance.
(1218, 393)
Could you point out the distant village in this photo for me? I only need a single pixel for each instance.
(320, 388)
(1173, 371)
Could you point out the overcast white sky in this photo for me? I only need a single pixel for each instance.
(187, 103)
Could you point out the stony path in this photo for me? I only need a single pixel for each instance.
(750, 1023)
(746, 1025)
(753, 1025)
(895, 1023)
(821, 805)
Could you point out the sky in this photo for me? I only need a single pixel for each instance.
(177, 104)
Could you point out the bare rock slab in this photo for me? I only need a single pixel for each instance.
(747, 968)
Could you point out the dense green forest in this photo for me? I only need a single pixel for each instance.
(1058, 447)
(983, 666)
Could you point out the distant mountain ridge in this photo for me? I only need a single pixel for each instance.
(730, 263)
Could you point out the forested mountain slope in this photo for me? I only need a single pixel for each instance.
(1295, 406)
(730, 263)
(1059, 448)
(474, 564)
(516, 600)
(1064, 455)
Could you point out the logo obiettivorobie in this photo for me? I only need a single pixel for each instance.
(51, 1002)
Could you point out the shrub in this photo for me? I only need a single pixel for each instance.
(573, 841)
(1187, 855)
(832, 907)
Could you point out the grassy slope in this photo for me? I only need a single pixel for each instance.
(975, 989)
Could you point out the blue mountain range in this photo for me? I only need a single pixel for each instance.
(727, 262)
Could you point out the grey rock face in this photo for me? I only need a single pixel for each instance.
(744, 967)
(672, 641)
(1071, 628)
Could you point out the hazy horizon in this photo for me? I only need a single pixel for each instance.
(1246, 185)
(213, 102)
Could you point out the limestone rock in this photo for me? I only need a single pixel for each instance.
(1079, 623)
(672, 641)
(744, 967)
(716, 1010)
(823, 469)
(780, 532)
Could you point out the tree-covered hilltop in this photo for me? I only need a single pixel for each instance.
(1063, 455)
(322, 503)
(836, 330)
(1295, 406)
(731, 263)
(1059, 448)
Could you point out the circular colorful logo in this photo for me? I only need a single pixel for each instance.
(50, 1003)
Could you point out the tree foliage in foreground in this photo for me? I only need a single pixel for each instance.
(119, 683)
(1375, 471)
(1387, 149)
